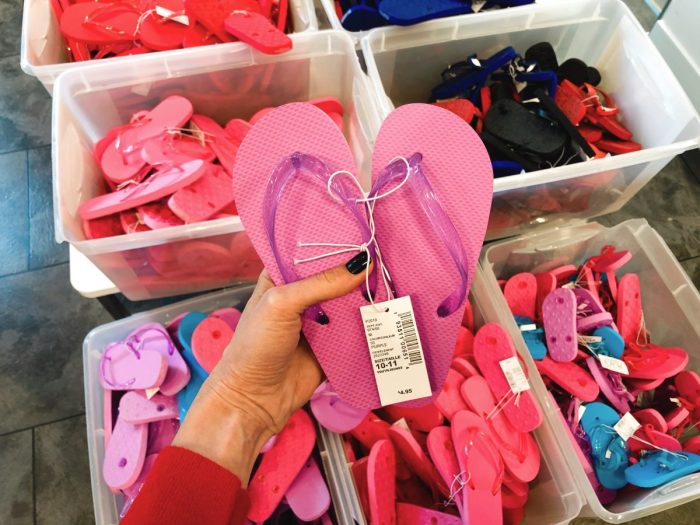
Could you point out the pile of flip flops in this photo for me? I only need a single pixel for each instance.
(466, 457)
(362, 15)
(109, 28)
(533, 112)
(149, 381)
(169, 167)
(630, 404)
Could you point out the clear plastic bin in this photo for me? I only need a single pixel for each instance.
(43, 48)
(222, 81)
(554, 496)
(404, 64)
(671, 305)
(108, 505)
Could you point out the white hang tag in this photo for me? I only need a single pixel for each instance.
(627, 426)
(615, 365)
(514, 375)
(528, 327)
(478, 5)
(167, 13)
(581, 410)
(150, 392)
(589, 339)
(396, 352)
(569, 285)
(401, 423)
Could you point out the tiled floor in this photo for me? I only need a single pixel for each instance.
(44, 475)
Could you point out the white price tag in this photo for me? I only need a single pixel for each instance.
(616, 365)
(585, 339)
(150, 392)
(528, 327)
(167, 13)
(401, 423)
(396, 352)
(514, 375)
(581, 410)
(627, 426)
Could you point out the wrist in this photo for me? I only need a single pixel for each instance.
(224, 432)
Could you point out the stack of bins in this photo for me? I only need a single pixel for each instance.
(404, 64)
(223, 82)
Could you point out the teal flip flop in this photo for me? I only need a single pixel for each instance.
(186, 396)
(660, 467)
(608, 450)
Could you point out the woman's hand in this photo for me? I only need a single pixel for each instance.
(266, 373)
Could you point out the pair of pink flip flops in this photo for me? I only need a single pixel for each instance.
(432, 186)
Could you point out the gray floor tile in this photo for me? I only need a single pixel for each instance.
(684, 515)
(670, 203)
(25, 108)
(16, 491)
(43, 249)
(62, 474)
(10, 26)
(14, 241)
(692, 268)
(645, 16)
(43, 324)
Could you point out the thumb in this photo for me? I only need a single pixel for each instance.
(329, 284)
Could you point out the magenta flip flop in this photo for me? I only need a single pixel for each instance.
(230, 316)
(209, 340)
(412, 454)
(464, 367)
(629, 308)
(408, 514)
(296, 148)
(559, 318)
(205, 197)
(483, 469)
(571, 377)
(611, 385)
(280, 466)
(161, 435)
(381, 483)
(332, 412)
(423, 419)
(308, 495)
(442, 453)
(519, 450)
(650, 416)
(465, 343)
(359, 475)
(370, 430)
(546, 284)
(136, 408)
(521, 294)
(648, 438)
(450, 401)
(492, 345)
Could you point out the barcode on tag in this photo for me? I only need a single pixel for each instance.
(615, 365)
(528, 327)
(627, 426)
(396, 352)
(514, 375)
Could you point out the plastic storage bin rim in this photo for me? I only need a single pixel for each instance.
(447, 29)
(302, 12)
(690, 304)
(562, 478)
(73, 81)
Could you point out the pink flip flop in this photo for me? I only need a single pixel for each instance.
(652, 439)
(308, 495)
(161, 435)
(156, 215)
(217, 139)
(450, 401)
(465, 343)
(650, 416)
(546, 284)
(412, 454)
(629, 308)
(136, 408)
(442, 453)
(359, 475)
(483, 468)
(571, 378)
(464, 367)
(559, 318)
(209, 340)
(155, 337)
(205, 197)
(381, 483)
(492, 345)
(563, 273)
(122, 367)
(125, 454)
(468, 317)
(445, 154)
(371, 430)
(230, 316)
(280, 466)
(609, 260)
(423, 419)
(407, 514)
(332, 412)
(521, 294)
(514, 493)
(653, 362)
(519, 450)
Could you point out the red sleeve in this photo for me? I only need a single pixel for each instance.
(185, 488)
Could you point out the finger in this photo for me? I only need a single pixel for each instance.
(329, 284)
(263, 285)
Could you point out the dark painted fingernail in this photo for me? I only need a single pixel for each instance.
(358, 263)
(322, 318)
